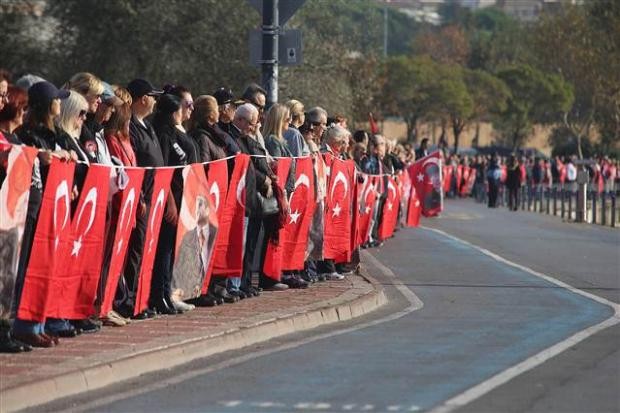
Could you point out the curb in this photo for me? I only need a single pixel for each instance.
(342, 308)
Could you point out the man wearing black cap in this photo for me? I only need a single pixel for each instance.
(148, 153)
(226, 107)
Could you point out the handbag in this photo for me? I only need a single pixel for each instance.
(268, 206)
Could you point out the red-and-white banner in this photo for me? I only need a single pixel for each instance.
(161, 188)
(337, 232)
(414, 209)
(229, 248)
(272, 266)
(294, 235)
(367, 205)
(74, 289)
(51, 235)
(14, 196)
(425, 174)
(128, 200)
(390, 210)
(196, 233)
(217, 179)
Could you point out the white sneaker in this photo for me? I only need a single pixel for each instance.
(182, 306)
(335, 276)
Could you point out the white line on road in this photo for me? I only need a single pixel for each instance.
(414, 304)
(497, 380)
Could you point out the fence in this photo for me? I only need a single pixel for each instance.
(601, 208)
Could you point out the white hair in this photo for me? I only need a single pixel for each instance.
(246, 111)
(336, 133)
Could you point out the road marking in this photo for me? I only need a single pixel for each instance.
(503, 377)
(414, 304)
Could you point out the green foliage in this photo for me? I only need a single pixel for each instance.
(535, 97)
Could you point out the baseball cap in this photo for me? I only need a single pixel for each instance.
(46, 92)
(140, 87)
(223, 96)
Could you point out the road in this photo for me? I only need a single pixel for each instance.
(483, 317)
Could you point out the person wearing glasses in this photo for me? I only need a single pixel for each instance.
(187, 103)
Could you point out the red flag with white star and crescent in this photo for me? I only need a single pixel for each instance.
(128, 200)
(217, 177)
(390, 210)
(294, 235)
(426, 175)
(337, 233)
(74, 293)
(367, 205)
(229, 249)
(272, 267)
(161, 188)
(414, 210)
(51, 235)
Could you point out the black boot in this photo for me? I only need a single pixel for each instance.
(8, 344)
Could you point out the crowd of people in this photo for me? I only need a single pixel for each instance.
(493, 178)
(88, 122)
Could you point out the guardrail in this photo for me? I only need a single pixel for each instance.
(601, 208)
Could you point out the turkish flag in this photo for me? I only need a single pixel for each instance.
(161, 188)
(196, 233)
(447, 178)
(337, 233)
(426, 176)
(14, 196)
(414, 209)
(294, 235)
(404, 190)
(74, 287)
(464, 180)
(367, 204)
(356, 195)
(272, 266)
(51, 236)
(217, 177)
(390, 210)
(229, 248)
(128, 199)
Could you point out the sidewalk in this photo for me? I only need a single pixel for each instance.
(93, 361)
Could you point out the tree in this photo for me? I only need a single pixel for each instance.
(535, 97)
(581, 44)
(448, 45)
(454, 100)
(410, 90)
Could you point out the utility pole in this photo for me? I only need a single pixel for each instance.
(269, 61)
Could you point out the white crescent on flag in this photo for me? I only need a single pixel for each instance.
(240, 188)
(215, 191)
(302, 180)
(91, 198)
(62, 192)
(392, 189)
(339, 177)
(159, 204)
(128, 206)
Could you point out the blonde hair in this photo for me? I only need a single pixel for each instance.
(123, 94)
(69, 110)
(277, 116)
(296, 108)
(85, 83)
(204, 105)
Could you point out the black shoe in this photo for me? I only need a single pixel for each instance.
(143, 315)
(221, 292)
(9, 345)
(206, 301)
(238, 293)
(83, 326)
(163, 307)
(250, 292)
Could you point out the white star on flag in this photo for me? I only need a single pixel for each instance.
(420, 177)
(389, 205)
(368, 210)
(77, 244)
(294, 217)
(417, 203)
(336, 210)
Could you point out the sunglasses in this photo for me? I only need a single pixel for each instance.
(82, 114)
(189, 104)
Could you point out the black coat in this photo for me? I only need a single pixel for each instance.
(257, 173)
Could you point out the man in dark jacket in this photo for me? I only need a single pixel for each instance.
(148, 153)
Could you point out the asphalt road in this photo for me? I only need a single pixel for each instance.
(490, 319)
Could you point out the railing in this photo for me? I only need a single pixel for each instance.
(601, 208)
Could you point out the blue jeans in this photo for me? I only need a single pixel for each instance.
(27, 327)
